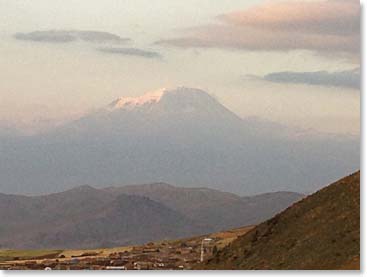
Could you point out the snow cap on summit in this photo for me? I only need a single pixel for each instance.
(148, 98)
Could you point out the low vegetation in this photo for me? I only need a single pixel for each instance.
(11, 255)
(321, 231)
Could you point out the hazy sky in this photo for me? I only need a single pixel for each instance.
(293, 62)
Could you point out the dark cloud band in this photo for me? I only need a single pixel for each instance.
(65, 36)
(130, 52)
(346, 79)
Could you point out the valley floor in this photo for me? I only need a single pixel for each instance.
(181, 254)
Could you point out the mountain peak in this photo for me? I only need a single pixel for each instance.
(131, 102)
(179, 95)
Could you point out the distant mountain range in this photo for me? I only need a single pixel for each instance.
(322, 231)
(183, 137)
(85, 217)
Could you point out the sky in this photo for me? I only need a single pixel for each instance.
(292, 62)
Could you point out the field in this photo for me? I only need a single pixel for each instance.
(11, 255)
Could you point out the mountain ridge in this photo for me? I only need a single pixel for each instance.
(86, 217)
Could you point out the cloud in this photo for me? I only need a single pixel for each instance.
(345, 79)
(333, 17)
(130, 52)
(66, 36)
(323, 26)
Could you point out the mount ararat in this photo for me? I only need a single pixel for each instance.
(181, 136)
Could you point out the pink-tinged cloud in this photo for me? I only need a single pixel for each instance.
(325, 26)
(333, 17)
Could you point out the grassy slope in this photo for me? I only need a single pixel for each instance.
(321, 231)
(9, 255)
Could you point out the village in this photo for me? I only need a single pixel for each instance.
(165, 255)
(147, 257)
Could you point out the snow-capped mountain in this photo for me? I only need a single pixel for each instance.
(180, 136)
(134, 102)
(180, 100)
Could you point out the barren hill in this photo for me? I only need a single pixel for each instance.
(213, 209)
(85, 217)
(321, 231)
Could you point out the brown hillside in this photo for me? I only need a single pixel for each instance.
(85, 217)
(321, 231)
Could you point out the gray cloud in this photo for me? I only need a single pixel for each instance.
(65, 36)
(346, 79)
(130, 52)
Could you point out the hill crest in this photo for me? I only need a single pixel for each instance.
(322, 231)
